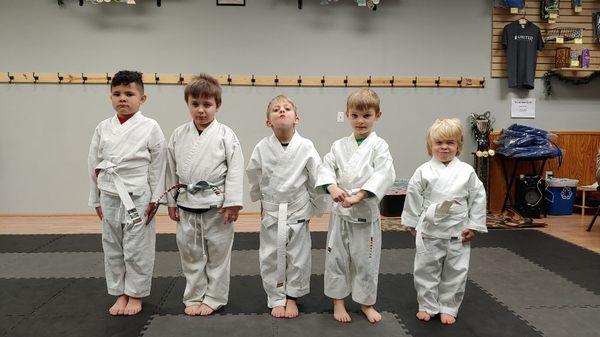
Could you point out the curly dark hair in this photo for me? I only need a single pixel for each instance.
(124, 77)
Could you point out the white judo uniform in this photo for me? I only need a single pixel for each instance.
(441, 201)
(283, 179)
(204, 241)
(127, 164)
(354, 234)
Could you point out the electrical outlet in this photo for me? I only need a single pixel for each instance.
(548, 174)
(340, 116)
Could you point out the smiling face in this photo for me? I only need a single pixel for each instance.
(126, 99)
(282, 115)
(202, 110)
(362, 121)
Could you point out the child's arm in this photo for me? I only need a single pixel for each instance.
(93, 161)
(413, 203)
(171, 179)
(312, 171)
(234, 179)
(384, 175)
(254, 173)
(476, 202)
(327, 179)
(156, 169)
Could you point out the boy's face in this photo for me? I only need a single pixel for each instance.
(282, 115)
(126, 99)
(202, 110)
(362, 121)
(444, 150)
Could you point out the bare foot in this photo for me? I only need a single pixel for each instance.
(423, 316)
(278, 311)
(119, 307)
(372, 315)
(447, 319)
(205, 310)
(339, 311)
(192, 310)
(291, 309)
(134, 306)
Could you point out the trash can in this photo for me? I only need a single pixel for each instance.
(560, 194)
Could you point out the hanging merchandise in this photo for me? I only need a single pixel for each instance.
(567, 33)
(596, 24)
(522, 42)
(513, 3)
(576, 4)
(585, 57)
(549, 9)
(562, 58)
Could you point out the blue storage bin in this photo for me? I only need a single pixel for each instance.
(560, 194)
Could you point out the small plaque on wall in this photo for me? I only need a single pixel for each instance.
(522, 108)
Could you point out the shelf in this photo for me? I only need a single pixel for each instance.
(576, 72)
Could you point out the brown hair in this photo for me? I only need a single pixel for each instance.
(363, 99)
(203, 86)
(281, 98)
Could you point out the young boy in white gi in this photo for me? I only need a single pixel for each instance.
(126, 164)
(445, 204)
(357, 173)
(282, 174)
(206, 153)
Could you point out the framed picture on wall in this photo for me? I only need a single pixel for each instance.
(231, 2)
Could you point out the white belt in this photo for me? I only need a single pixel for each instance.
(335, 229)
(283, 209)
(132, 212)
(428, 216)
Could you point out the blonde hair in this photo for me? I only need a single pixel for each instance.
(445, 129)
(203, 86)
(363, 100)
(281, 98)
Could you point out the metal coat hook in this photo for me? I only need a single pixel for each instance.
(437, 82)
(252, 80)
(35, 78)
(108, 78)
(156, 78)
(181, 79)
(60, 78)
(459, 82)
(346, 81)
(323, 81)
(414, 82)
(228, 79)
(10, 77)
(369, 81)
(481, 82)
(299, 81)
(276, 80)
(84, 77)
(392, 82)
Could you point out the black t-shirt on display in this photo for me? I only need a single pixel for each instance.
(522, 43)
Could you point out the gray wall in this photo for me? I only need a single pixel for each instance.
(45, 129)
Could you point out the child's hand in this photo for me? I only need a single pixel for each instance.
(99, 212)
(467, 235)
(150, 212)
(337, 194)
(174, 213)
(230, 214)
(354, 199)
(412, 231)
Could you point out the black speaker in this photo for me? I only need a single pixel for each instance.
(529, 200)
